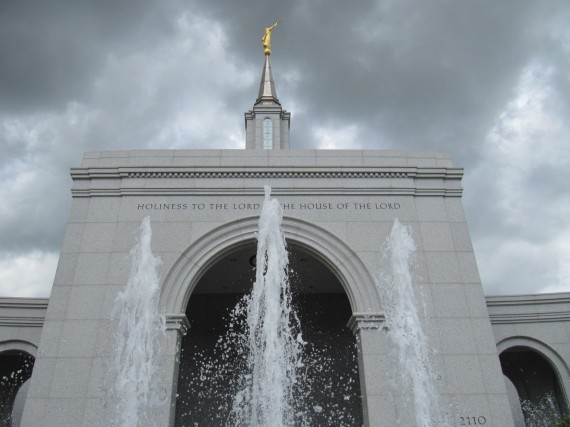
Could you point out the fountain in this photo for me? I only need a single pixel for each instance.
(215, 375)
(263, 334)
(134, 369)
(417, 377)
(273, 335)
(542, 412)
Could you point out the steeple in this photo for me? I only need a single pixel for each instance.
(267, 93)
(267, 125)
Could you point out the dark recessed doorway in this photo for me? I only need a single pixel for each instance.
(210, 362)
(15, 370)
(536, 383)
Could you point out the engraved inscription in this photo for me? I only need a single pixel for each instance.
(296, 206)
(473, 421)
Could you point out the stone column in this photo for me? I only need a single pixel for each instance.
(374, 366)
(176, 327)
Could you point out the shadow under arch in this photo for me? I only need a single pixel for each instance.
(17, 358)
(212, 354)
(550, 356)
(353, 275)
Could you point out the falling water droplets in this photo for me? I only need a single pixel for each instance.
(267, 393)
(137, 389)
(404, 328)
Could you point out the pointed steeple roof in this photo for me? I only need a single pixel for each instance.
(267, 124)
(267, 93)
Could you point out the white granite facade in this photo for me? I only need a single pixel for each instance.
(340, 205)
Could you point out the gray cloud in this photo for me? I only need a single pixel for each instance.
(80, 76)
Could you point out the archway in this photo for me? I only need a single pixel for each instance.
(353, 275)
(537, 384)
(15, 371)
(210, 360)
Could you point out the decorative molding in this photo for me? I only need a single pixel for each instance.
(529, 308)
(557, 316)
(537, 299)
(267, 174)
(283, 191)
(360, 321)
(22, 321)
(392, 180)
(24, 302)
(116, 181)
(29, 312)
(178, 322)
(190, 266)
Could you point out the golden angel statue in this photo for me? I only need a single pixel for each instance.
(266, 39)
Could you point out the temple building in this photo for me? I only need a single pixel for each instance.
(489, 353)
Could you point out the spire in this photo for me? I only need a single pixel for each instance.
(267, 124)
(267, 93)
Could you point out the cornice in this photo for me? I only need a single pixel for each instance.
(555, 316)
(266, 172)
(281, 191)
(22, 321)
(39, 303)
(519, 300)
(529, 308)
(420, 181)
(22, 311)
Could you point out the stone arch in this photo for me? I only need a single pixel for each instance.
(333, 252)
(320, 305)
(19, 345)
(556, 362)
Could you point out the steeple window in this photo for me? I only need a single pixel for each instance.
(267, 133)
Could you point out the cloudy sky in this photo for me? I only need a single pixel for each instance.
(487, 81)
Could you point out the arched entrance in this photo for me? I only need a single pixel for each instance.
(211, 358)
(537, 384)
(354, 277)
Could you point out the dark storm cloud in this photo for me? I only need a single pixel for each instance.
(53, 50)
(412, 75)
(436, 85)
(486, 81)
(116, 85)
